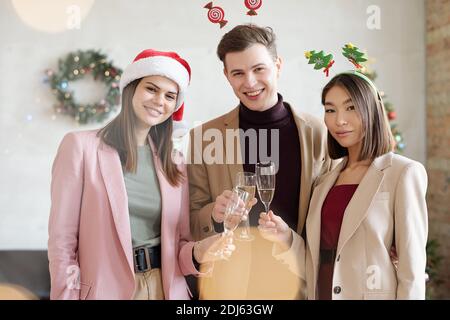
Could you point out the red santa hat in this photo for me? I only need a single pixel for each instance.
(159, 63)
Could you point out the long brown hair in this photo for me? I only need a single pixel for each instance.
(378, 138)
(120, 134)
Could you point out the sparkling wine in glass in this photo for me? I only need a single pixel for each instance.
(265, 180)
(247, 182)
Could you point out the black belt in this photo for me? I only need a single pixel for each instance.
(146, 258)
(327, 256)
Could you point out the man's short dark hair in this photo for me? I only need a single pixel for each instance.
(243, 36)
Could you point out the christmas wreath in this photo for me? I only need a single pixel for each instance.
(75, 66)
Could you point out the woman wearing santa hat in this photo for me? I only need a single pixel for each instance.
(119, 219)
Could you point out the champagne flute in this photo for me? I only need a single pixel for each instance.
(233, 215)
(265, 180)
(247, 182)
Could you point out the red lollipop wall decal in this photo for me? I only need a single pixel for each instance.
(253, 5)
(216, 14)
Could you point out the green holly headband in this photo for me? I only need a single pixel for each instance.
(322, 61)
(352, 53)
(370, 82)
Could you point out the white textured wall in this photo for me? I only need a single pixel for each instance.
(29, 137)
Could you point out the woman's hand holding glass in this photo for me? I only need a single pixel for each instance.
(273, 228)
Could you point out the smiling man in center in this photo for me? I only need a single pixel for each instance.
(252, 68)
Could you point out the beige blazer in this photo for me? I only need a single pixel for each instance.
(387, 208)
(208, 181)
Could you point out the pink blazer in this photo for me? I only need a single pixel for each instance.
(89, 246)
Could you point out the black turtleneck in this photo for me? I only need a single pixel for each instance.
(287, 184)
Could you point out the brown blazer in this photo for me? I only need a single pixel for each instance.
(208, 181)
(387, 208)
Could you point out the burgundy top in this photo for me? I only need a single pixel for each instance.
(333, 209)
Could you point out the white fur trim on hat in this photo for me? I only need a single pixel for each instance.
(157, 66)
